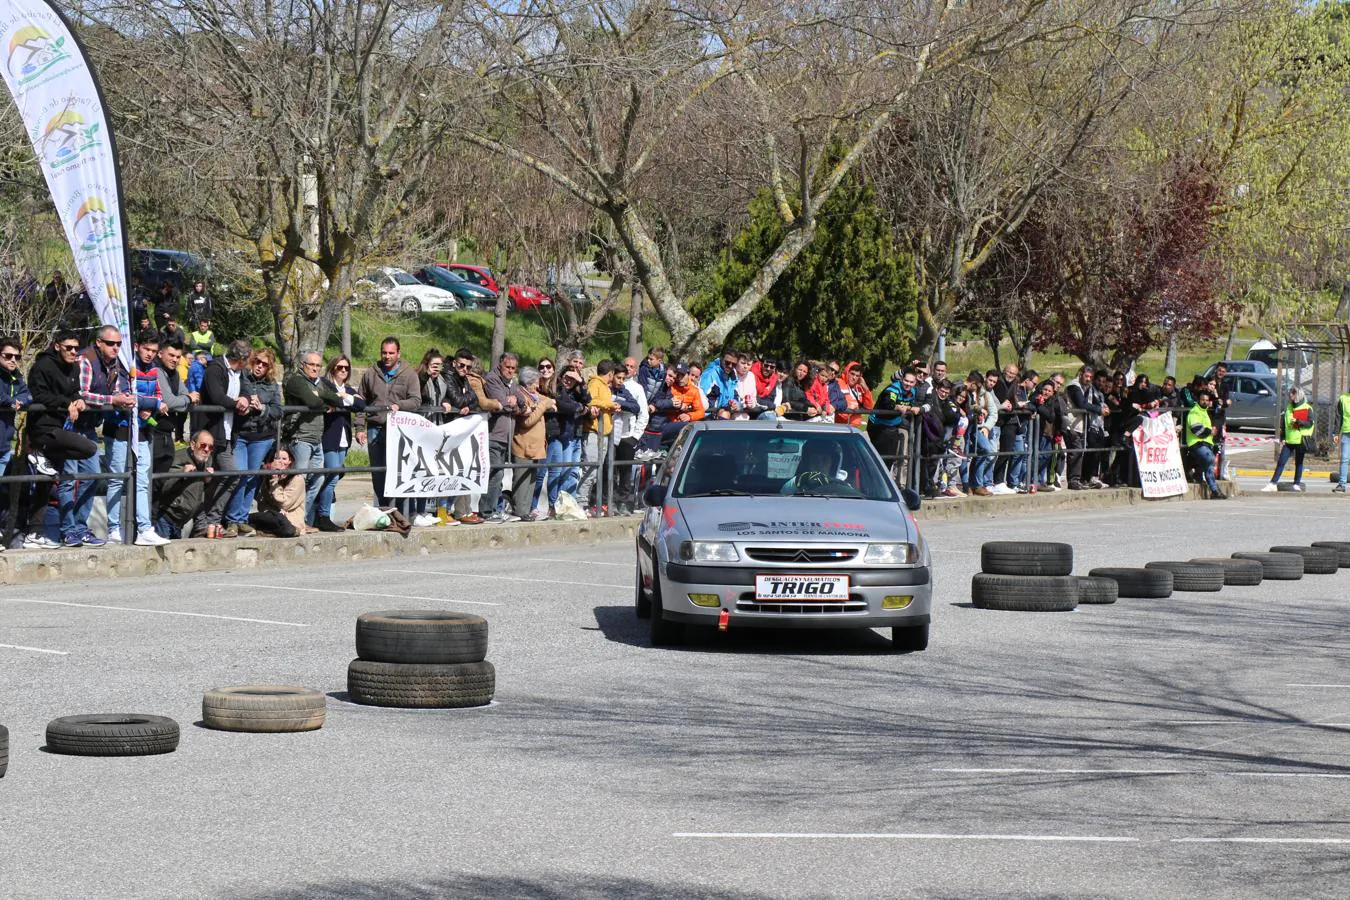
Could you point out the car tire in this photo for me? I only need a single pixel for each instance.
(4, 750)
(112, 734)
(264, 708)
(429, 637)
(642, 604)
(1316, 560)
(909, 638)
(663, 632)
(1097, 591)
(1024, 593)
(417, 686)
(1141, 584)
(1026, 558)
(1276, 566)
(1342, 549)
(1236, 572)
(1189, 576)
(410, 307)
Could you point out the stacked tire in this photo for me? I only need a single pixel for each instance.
(1026, 576)
(421, 659)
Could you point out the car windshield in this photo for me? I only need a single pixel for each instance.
(403, 278)
(747, 462)
(441, 273)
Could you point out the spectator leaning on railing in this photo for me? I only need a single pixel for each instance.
(14, 396)
(303, 431)
(54, 383)
(337, 439)
(528, 443)
(255, 433)
(390, 384)
(500, 390)
(222, 381)
(176, 400)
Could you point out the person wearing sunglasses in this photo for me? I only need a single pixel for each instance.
(184, 500)
(14, 396)
(53, 382)
(337, 438)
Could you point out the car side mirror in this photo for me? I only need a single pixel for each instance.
(1263, 393)
(654, 495)
(912, 498)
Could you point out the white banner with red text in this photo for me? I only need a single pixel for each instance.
(1159, 455)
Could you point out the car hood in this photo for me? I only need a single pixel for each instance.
(807, 519)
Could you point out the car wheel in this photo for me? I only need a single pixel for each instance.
(410, 307)
(642, 604)
(511, 305)
(909, 638)
(664, 633)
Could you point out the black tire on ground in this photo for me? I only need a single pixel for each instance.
(642, 604)
(1276, 566)
(271, 708)
(418, 686)
(663, 633)
(1144, 584)
(1026, 558)
(909, 638)
(1236, 572)
(1316, 560)
(1342, 549)
(1097, 590)
(4, 750)
(112, 734)
(1024, 593)
(1188, 576)
(433, 637)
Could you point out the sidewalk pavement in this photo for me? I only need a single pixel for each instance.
(182, 556)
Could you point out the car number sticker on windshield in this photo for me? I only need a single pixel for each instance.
(807, 588)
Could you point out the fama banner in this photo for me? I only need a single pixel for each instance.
(1159, 454)
(423, 459)
(63, 113)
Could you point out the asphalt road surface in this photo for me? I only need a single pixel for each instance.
(1192, 747)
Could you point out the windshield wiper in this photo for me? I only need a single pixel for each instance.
(830, 496)
(721, 492)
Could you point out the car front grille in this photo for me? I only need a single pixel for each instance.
(855, 603)
(790, 555)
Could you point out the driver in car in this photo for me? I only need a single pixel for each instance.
(818, 468)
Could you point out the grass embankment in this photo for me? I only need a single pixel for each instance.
(527, 334)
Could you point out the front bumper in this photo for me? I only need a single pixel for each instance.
(735, 585)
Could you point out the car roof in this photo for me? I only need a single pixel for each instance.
(779, 425)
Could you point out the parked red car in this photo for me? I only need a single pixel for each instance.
(519, 296)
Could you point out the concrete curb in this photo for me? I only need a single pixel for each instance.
(254, 553)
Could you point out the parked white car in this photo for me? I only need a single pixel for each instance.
(399, 291)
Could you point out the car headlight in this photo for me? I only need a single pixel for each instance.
(892, 554)
(709, 551)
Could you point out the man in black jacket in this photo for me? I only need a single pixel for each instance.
(54, 382)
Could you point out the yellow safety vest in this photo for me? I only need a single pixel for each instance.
(1198, 415)
(1294, 434)
(1345, 413)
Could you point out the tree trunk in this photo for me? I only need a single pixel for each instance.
(1170, 365)
(499, 325)
(1232, 339)
(635, 323)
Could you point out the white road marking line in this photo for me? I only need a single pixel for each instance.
(583, 562)
(1260, 840)
(158, 612)
(1168, 772)
(895, 836)
(1319, 685)
(273, 587)
(505, 578)
(33, 649)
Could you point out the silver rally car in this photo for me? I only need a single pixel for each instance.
(783, 525)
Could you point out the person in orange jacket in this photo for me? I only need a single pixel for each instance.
(849, 395)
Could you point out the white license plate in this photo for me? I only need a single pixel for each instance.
(801, 588)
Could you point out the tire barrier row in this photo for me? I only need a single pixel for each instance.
(411, 659)
(1036, 576)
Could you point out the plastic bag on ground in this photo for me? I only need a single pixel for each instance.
(368, 518)
(567, 507)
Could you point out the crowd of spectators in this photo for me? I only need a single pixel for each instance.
(223, 419)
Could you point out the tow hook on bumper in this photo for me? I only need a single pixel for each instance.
(724, 620)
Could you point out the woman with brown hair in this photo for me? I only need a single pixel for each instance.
(337, 438)
(254, 433)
